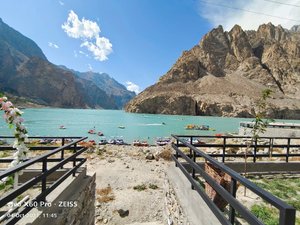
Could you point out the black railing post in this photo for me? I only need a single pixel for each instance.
(62, 152)
(44, 180)
(288, 150)
(193, 170)
(176, 153)
(233, 193)
(287, 216)
(255, 150)
(224, 149)
(74, 160)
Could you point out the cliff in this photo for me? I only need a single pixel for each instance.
(225, 73)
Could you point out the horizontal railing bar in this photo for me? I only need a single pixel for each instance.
(44, 137)
(37, 159)
(41, 196)
(48, 160)
(35, 148)
(248, 155)
(246, 214)
(208, 201)
(232, 137)
(242, 145)
(257, 190)
(10, 196)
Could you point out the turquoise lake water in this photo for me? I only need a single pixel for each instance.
(46, 122)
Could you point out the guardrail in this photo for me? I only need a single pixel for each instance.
(287, 213)
(253, 147)
(40, 199)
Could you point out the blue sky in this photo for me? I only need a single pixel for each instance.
(134, 41)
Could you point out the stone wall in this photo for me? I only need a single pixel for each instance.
(173, 211)
(73, 203)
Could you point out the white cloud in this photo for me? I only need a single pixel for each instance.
(61, 3)
(89, 33)
(75, 54)
(133, 87)
(90, 67)
(249, 14)
(52, 45)
(83, 53)
(101, 48)
(76, 28)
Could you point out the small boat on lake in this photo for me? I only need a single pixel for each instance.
(162, 141)
(197, 127)
(121, 127)
(100, 133)
(103, 141)
(140, 143)
(92, 131)
(62, 127)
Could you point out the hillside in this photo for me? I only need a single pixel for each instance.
(25, 73)
(110, 86)
(225, 73)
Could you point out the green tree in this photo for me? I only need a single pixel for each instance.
(260, 123)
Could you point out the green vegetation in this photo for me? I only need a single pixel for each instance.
(285, 188)
(141, 187)
(153, 186)
(260, 124)
(268, 216)
(7, 184)
(4, 154)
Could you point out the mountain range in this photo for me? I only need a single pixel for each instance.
(225, 74)
(27, 75)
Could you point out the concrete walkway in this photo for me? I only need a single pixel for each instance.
(194, 207)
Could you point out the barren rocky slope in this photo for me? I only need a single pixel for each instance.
(225, 74)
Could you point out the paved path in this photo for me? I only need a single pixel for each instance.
(196, 210)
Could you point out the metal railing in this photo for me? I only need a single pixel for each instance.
(286, 215)
(253, 145)
(41, 178)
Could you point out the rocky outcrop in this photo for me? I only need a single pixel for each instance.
(225, 74)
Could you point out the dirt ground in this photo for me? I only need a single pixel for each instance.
(129, 187)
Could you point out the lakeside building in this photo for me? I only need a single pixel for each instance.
(272, 129)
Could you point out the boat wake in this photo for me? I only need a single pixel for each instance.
(151, 124)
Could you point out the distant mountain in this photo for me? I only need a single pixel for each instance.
(112, 88)
(25, 73)
(19, 45)
(225, 73)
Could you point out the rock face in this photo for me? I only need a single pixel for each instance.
(225, 74)
(110, 86)
(26, 73)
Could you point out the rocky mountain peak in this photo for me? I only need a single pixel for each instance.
(271, 32)
(225, 73)
(295, 28)
(240, 46)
